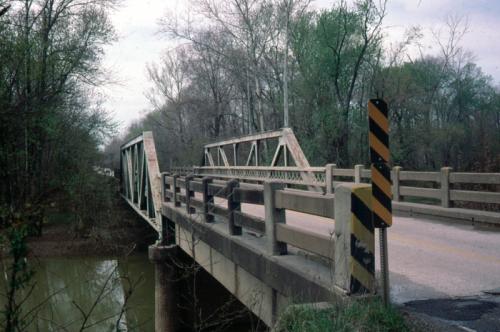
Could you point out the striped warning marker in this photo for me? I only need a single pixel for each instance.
(379, 131)
(382, 195)
(362, 263)
(379, 155)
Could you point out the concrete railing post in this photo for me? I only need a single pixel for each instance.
(208, 200)
(396, 196)
(357, 173)
(273, 217)
(232, 206)
(445, 186)
(164, 188)
(189, 194)
(329, 174)
(175, 190)
(165, 296)
(354, 239)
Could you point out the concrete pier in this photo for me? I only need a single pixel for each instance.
(166, 311)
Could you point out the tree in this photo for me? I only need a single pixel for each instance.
(249, 60)
(52, 121)
(50, 65)
(334, 51)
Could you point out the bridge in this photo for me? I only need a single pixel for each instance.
(290, 233)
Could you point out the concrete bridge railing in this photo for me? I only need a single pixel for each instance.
(198, 196)
(456, 195)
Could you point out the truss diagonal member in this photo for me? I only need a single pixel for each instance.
(142, 173)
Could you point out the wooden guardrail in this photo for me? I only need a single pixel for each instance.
(198, 195)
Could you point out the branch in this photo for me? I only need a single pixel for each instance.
(4, 10)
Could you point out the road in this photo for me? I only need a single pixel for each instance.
(428, 259)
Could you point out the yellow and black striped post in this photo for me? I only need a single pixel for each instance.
(378, 115)
(354, 270)
(362, 242)
(379, 157)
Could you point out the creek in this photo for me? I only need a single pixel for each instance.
(68, 289)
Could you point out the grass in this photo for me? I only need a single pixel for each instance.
(367, 315)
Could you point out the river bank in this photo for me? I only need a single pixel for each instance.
(117, 237)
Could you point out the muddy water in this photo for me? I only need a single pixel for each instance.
(70, 293)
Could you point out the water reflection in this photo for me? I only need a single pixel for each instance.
(100, 294)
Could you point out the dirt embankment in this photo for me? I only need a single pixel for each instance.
(114, 238)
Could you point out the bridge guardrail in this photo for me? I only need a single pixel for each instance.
(413, 191)
(355, 277)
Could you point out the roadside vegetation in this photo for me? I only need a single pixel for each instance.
(360, 316)
(52, 121)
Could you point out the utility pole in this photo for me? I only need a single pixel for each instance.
(286, 122)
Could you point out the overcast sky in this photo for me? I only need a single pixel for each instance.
(136, 23)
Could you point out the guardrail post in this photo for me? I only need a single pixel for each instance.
(164, 186)
(167, 186)
(357, 173)
(232, 205)
(354, 239)
(329, 170)
(445, 186)
(273, 216)
(396, 196)
(208, 200)
(175, 191)
(189, 194)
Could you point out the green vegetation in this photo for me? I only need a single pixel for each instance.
(367, 315)
(51, 124)
(18, 275)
